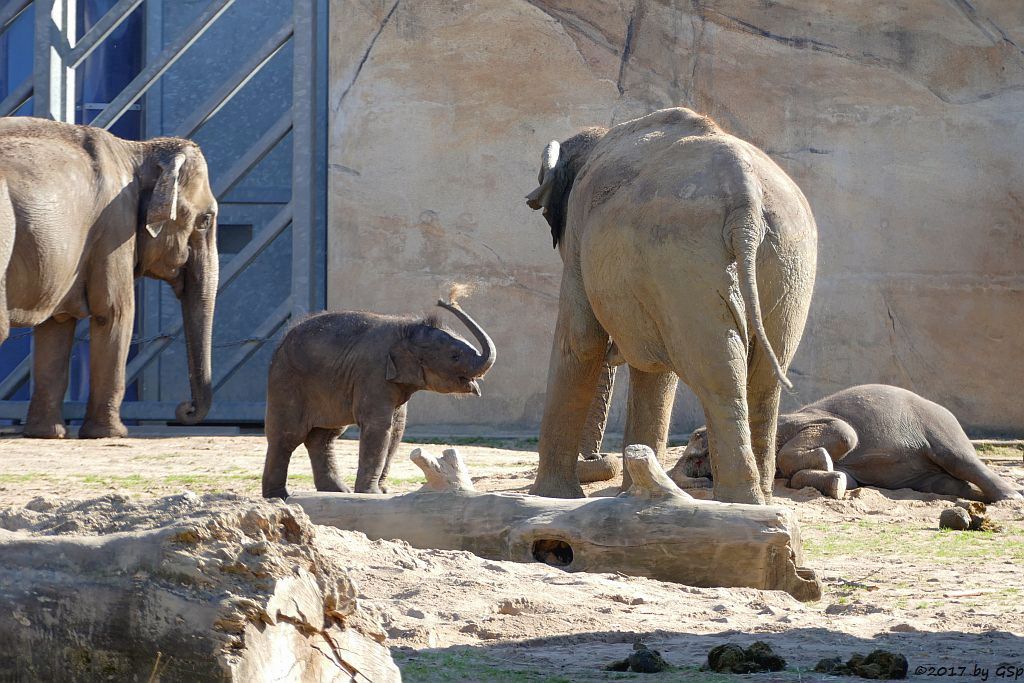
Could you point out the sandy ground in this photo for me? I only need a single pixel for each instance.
(952, 602)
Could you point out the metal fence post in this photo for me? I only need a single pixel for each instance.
(304, 144)
(54, 79)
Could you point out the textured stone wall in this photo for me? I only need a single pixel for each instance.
(903, 122)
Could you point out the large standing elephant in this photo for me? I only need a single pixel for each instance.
(82, 214)
(696, 254)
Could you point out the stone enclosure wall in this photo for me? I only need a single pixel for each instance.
(901, 120)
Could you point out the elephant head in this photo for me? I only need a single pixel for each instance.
(560, 163)
(696, 459)
(177, 243)
(429, 357)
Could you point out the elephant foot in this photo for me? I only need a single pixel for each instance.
(556, 488)
(276, 492)
(95, 430)
(831, 484)
(373, 488)
(336, 486)
(41, 430)
(742, 493)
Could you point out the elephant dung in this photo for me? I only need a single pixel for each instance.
(654, 529)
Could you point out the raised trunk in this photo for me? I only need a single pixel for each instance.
(197, 302)
(488, 353)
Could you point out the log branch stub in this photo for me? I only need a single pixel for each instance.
(447, 473)
(649, 479)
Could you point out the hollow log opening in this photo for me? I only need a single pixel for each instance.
(554, 552)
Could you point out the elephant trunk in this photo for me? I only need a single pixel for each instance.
(197, 302)
(488, 354)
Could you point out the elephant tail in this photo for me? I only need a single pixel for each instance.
(746, 230)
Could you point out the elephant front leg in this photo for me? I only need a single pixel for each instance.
(572, 381)
(374, 442)
(52, 354)
(275, 467)
(324, 462)
(110, 335)
(397, 431)
(648, 413)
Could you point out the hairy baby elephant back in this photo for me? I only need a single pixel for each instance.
(347, 368)
(696, 254)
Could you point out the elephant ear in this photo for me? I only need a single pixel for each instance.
(163, 203)
(552, 194)
(404, 368)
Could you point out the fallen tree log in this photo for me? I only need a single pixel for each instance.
(654, 529)
(242, 593)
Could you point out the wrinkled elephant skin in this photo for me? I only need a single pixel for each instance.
(82, 214)
(872, 435)
(347, 368)
(696, 254)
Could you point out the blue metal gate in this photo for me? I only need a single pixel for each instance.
(190, 68)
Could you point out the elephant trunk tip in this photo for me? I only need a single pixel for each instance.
(189, 413)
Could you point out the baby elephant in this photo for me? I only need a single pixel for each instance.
(338, 369)
(870, 435)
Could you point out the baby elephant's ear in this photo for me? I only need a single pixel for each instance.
(404, 369)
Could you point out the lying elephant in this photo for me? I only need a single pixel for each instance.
(82, 214)
(696, 253)
(338, 369)
(870, 435)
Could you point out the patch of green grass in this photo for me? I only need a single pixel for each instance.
(873, 538)
(23, 478)
(526, 443)
(1010, 451)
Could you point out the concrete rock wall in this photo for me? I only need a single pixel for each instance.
(901, 121)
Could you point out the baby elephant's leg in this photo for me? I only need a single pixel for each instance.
(326, 475)
(802, 453)
(275, 467)
(397, 430)
(831, 484)
(374, 443)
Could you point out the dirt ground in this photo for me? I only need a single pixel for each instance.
(952, 602)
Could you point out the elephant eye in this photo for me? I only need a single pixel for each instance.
(204, 222)
(456, 356)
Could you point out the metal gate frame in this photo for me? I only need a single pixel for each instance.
(52, 88)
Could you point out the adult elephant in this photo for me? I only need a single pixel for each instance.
(696, 254)
(82, 214)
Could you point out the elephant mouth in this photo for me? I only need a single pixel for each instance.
(471, 386)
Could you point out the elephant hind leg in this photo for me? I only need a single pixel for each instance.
(962, 465)
(648, 413)
(320, 446)
(715, 362)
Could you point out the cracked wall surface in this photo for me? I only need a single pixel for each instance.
(901, 121)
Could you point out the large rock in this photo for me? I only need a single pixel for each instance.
(180, 589)
(899, 120)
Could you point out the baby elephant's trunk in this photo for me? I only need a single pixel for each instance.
(486, 358)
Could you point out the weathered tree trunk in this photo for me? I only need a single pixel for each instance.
(234, 597)
(654, 529)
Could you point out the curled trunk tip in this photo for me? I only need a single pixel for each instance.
(488, 353)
